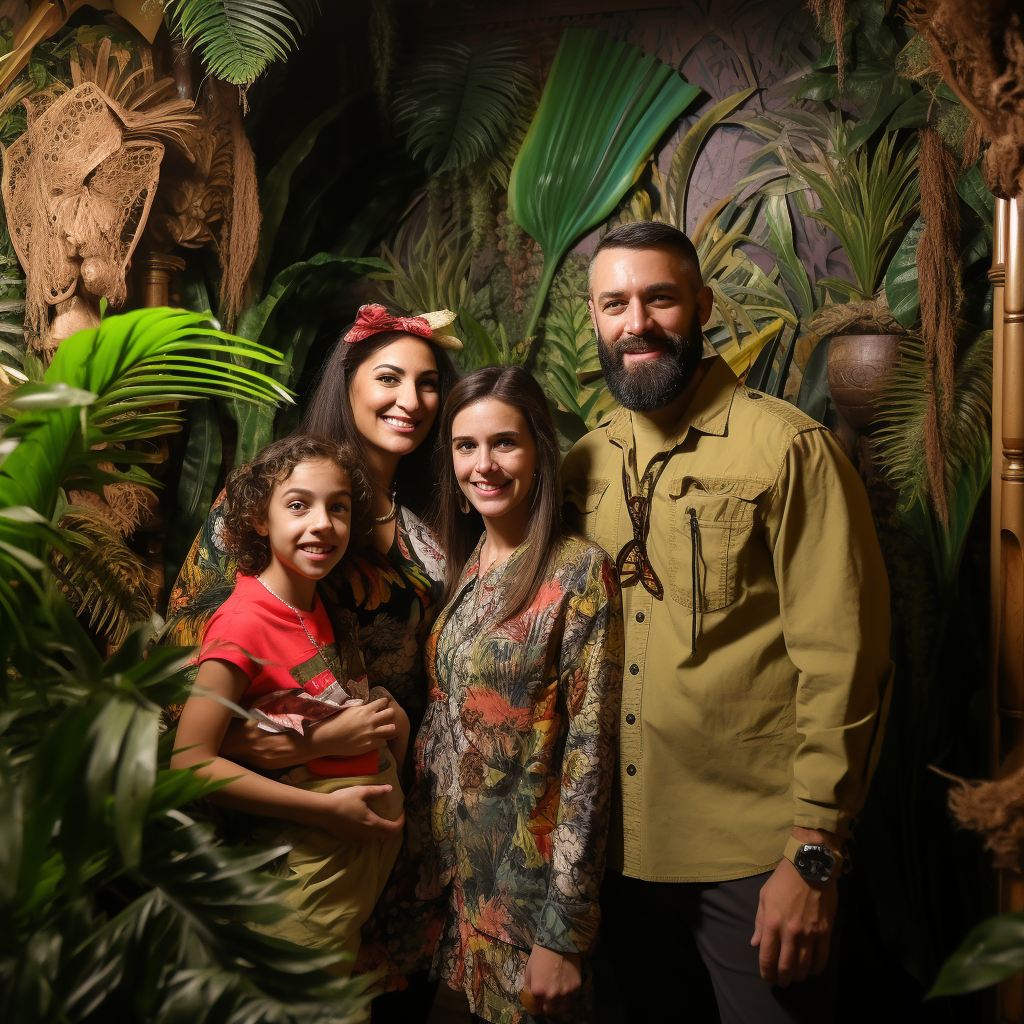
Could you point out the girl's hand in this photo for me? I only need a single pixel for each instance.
(552, 980)
(346, 813)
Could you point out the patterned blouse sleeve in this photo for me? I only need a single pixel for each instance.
(590, 682)
(204, 583)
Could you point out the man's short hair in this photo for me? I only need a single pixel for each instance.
(650, 234)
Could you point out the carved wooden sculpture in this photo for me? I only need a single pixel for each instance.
(78, 185)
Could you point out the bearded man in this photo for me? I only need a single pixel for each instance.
(757, 670)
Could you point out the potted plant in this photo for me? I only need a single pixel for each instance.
(868, 195)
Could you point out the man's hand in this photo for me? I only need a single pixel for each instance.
(354, 730)
(551, 982)
(793, 927)
(346, 814)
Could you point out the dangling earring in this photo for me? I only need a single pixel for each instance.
(464, 503)
(536, 490)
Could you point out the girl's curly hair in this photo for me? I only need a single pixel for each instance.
(250, 487)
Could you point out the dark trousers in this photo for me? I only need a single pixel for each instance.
(674, 949)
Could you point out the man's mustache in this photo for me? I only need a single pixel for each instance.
(642, 342)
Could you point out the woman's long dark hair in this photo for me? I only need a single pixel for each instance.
(459, 531)
(329, 412)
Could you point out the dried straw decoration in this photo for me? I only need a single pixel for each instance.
(941, 294)
(978, 48)
(78, 184)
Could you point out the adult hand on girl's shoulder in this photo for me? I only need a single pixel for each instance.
(552, 979)
(347, 814)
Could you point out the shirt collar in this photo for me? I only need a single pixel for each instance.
(708, 410)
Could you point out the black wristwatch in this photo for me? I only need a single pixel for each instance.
(815, 861)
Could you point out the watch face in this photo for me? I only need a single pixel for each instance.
(815, 863)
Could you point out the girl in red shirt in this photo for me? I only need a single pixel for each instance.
(272, 649)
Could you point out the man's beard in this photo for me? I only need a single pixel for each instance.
(651, 384)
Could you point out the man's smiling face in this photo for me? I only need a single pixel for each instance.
(648, 308)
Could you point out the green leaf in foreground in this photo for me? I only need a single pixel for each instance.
(992, 951)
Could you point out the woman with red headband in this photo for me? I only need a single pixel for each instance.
(380, 390)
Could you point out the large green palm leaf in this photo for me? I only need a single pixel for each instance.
(238, 39)
(460, 105)
(603, 109)
(106, 386)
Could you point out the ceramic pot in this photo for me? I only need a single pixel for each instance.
(858, 365)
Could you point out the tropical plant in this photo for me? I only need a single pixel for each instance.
(872, 41)
(458, 106)
(239, 39)
(98, 393)
(901, 448)
(603, 109)
(866, 198)
(107, 583)
(117, 904)
(991, 952)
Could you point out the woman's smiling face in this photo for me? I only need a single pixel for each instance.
(394, 396)
(495, 457)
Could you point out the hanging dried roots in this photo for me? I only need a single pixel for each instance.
(938, 273)
(837, 15)
(996, 811)
(978, 48)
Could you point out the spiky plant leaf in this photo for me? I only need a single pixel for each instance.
(603, 109)
(239, 39)
(866, 199)
(459, 106)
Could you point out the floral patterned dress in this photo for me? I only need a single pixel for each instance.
(515, 756)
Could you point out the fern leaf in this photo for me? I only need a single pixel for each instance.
(239, 39)
(901, 443)
(461, 105)
(104, 580)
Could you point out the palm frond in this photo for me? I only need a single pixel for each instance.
(103, 578)
(459, 105)
(105, 386)
(901, 442)
(239, 39)
(604, 107)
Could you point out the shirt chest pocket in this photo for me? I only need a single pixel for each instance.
(582, 501)
(711, 521)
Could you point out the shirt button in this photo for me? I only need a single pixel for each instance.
(634, 668)
(631, 769)
(639, 616)
(630, 719)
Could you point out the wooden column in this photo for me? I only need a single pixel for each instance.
(997, 275)
(1010, 612)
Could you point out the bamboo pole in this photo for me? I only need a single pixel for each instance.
(1010, 649)
(997, 275)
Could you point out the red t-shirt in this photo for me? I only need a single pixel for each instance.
(260, 634)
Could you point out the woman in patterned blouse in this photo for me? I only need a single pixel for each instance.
(517, 747)
(381, 389)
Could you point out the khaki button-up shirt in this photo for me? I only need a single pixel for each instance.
(775, 719)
